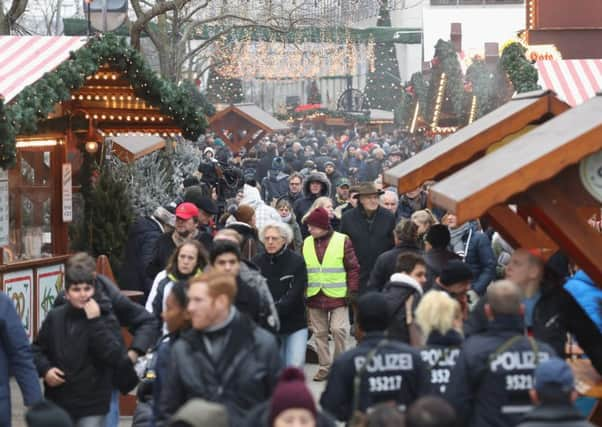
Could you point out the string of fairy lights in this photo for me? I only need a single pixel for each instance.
(247, 59)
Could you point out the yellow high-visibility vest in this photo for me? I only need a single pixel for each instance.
(330, 276)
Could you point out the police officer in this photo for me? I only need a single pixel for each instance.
(378, 370)
(490, 383)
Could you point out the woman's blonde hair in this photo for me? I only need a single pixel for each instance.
(424, 216)
(320, 202)
(437, 311)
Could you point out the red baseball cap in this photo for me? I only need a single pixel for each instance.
(186, 211)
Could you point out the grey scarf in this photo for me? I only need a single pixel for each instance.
(457, 242)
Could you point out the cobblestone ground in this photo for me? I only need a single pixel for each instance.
(18, 410)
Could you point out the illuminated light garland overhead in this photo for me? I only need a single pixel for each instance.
(248, 59)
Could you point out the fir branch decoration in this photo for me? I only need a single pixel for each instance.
(489, 85)
(520, 71)
(34, 102)
(446, 61)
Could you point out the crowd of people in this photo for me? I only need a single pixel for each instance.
(296, 250)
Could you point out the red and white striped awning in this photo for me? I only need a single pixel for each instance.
(23, 60)
(574, 80)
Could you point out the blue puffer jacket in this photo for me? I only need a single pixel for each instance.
(16, 358)
(480, 258)
(588, 295)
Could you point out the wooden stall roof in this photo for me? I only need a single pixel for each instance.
(530, 159)
(472, 141)
(253, 114)
(131, 147)
(252, 121)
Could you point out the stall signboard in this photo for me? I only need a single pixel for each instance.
(19, 288)
(4, 214)
(50, 283)
(67, 193)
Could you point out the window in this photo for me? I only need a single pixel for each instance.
(473, 2)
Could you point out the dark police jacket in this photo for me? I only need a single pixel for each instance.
(395, 373)
(490, 383)
(440, 355)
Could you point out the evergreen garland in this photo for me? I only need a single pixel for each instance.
(36, 101)
(446, 61)
(383, 85)
(520, 71)
(488, 84)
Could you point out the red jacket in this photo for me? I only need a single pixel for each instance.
(352, 268)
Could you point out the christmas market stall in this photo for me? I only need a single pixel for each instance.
(243, 125)
(63, 99)
(552, 174)
(517, 117)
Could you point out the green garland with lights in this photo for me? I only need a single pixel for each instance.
(489, 85)
(520, 71)
(36, 101)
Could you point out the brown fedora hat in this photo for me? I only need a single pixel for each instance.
(367, 189)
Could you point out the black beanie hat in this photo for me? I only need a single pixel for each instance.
(46, 414)
(372, 312)
(438, 236)
(455, 272)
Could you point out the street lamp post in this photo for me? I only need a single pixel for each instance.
(88, 3)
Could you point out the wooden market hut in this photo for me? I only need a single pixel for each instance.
(61, 96)
(243, 125)
(520, 115)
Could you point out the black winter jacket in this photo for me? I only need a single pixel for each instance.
(554, 416)
(243, 377)
(435, 260)
(303, 204)
(440, 354)
(548, 321)
(490, 383)
(86, 350)
(370, 238)
(396, 373)
(384, 267)
(142, 237)
(259, 417)
(397, 293)
(286, 274)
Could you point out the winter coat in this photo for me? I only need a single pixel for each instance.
(548, 321)
(251, 246)
(548, 415)
(274, 186)
(401, 308)
(581, 313)
(286, 275)
(480, 259)
(408, 206)
(489, 389)
(141, 324)
(267, 314)
(15, 360)
(303, 204)
(440, 355)
(264, 165)
(370, 170)
(244, 376)
(370, 238)
(260, 414)
(435, 260)
(385, 264)
(87, 351)
(142, 237)
(396, 373)
(165, 246)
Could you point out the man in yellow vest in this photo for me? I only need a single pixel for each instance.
(332, 281)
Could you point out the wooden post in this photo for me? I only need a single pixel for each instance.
(560, 219)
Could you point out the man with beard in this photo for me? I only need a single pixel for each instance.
(187, 220)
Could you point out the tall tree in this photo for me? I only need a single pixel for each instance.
(10, 14)
(383, 84)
